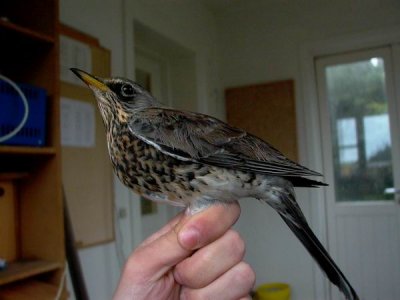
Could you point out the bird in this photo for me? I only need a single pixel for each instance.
(193, 160)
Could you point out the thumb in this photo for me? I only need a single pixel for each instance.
(178, 239)
(161, 251)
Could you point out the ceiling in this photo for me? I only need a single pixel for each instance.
(219, 5)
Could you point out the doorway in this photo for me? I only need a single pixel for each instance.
(359, 112)
(167, 70)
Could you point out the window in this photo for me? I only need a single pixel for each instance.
(361, 143)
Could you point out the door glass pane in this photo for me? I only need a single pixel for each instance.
(360, 130)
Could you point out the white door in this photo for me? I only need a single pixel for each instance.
(359, 101)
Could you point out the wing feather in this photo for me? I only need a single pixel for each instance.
(201, 138)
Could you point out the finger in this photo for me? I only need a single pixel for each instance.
(234, 284)
(147, 264)
(210, 262)
(206, 226)
(167, 227)
(156, 257)
(203, 228)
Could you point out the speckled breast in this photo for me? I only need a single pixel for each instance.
(142, 167)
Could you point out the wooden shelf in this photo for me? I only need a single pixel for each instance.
(32, 220)
(23, 150)
(25, 269)
(28, 290)
(13, 175)
(34, 35)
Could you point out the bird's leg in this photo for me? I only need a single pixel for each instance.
(199, 204)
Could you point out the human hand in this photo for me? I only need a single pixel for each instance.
(192, 257)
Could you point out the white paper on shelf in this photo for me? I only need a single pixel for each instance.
(74, 54)
(78, 127)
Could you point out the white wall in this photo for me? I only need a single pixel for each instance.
(190, 25)
(112, 22)
(260, 41)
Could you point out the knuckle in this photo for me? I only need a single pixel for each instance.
(133, 268)
(245, 275)
(182, 275)
(132, 260)
(204, 261)
(236, 243)
(186, 275)
(194, 272)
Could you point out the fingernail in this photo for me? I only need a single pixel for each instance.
(189, 238)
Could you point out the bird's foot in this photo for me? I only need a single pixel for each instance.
(198, 205)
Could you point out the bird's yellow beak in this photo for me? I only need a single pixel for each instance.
(90, 80)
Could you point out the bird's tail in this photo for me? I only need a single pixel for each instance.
(294, 218)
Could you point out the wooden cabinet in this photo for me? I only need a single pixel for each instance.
(30, 177)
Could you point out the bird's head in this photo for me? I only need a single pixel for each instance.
(117, 97)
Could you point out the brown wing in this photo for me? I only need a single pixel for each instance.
(201, 138)
(190, 135)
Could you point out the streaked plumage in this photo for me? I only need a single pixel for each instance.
(194, 160)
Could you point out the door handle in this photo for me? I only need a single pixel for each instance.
(395, 192)
(392, 191)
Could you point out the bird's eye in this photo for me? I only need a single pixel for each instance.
(127, 90)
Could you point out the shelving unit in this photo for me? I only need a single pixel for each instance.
(10, 28)
(30, 177)
(35, 290)
(26, 269)
(14, 150)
